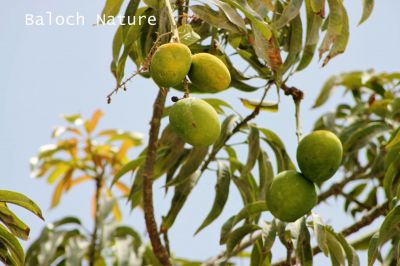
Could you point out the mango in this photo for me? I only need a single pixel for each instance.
(170, 64)
(195, 121)
(291, 196)
(209, 74)
(319, 155)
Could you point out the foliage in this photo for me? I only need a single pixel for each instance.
(267, 38)
(82, 155)
(11, 252)
(369, 129)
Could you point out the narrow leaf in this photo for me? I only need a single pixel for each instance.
(289, 13)
(373, 249)
(237, 235)
(221, 195)
(12, 245)
(20, 200)
(368, 6)
(390, 226)
(181, 193)
(130, 166)
(263, 106)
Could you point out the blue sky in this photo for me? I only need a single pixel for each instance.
(51, 70)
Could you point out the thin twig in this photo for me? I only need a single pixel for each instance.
(123, 84)
(144, 68)
(174, 26)
(297, 96)
(297, 115)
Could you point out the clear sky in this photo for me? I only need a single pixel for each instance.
(51, 70)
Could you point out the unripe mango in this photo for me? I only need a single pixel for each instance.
(208, 73)
(291, 196)
(170, 64)
(319, 155)
(195, 121)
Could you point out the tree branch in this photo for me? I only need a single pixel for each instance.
(337, 188)
(159, 250)
(296, 93)
(93, 244)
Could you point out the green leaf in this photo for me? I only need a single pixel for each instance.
(326, 91)
(118, 41)
(352, 257)
(190, 166)
(289, 13)
(393, 141)
(231, 14)
(128, 167)
(181, 193)
(249, 210)
(314, 23)
(218, 104)
(391, 174)
(12, 244)
(341, 41)
(226, 229)
(214, 18)
(237, 235)
(246, 187)
(253, 140)
(295, 43)
(266, 173)
(303, 246)
(187, 35)
(20, 200)
(269, 231)
(362, 136)
(226, 130)
(263, 106)
(390, 226)
(251, 15)
(317, 6)
(6, 257)
(221, 195)
(278, 147)
(13, 223)
(111, 8)
(368, 6)
(362, 243)
(258, 255)
(335, 25)
(131, 39)
(335, 250)
(373, 249)
(320, 233)
(66, 220)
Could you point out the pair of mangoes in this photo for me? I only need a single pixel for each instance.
(173, 61)
(293, 194)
